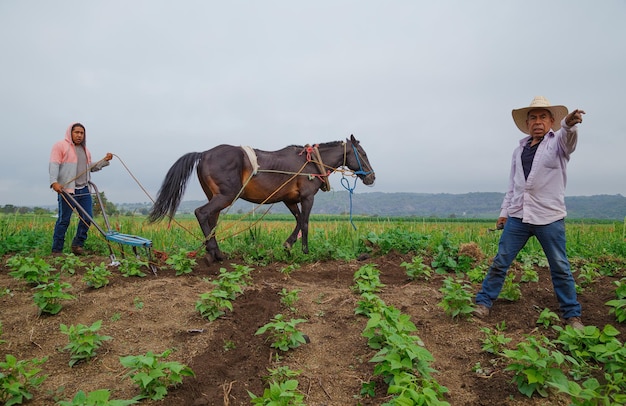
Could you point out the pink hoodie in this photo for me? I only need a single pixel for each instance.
(63, 164)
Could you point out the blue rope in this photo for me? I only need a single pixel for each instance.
(358, 160)
(346, 184)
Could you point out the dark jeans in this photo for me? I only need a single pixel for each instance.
(552, 239)
(83, 198)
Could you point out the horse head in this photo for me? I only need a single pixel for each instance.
(356, 160)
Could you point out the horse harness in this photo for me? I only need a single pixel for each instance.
(312, 155)
(323, 175)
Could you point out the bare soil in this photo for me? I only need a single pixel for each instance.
(156, 313)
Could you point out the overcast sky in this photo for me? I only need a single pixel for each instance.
(426, 86)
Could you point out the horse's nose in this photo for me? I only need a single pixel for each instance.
(369, 179)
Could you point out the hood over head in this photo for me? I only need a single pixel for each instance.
(68, 133)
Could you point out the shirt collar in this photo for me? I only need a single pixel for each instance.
(526, 140)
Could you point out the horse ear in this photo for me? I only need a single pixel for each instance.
(352, 139)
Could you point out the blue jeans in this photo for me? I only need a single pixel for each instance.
(83, 198)
(552, 239)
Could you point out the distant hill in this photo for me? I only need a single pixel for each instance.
(441, 205)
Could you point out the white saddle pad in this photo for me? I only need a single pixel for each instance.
(252, 157)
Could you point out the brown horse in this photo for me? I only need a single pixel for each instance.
(292, 175)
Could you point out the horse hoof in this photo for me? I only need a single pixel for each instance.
(209, 259)
(217, 256)
(214, 257)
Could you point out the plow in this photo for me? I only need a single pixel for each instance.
(112, 236)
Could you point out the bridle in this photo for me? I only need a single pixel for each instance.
(360, 172)
(358, 161)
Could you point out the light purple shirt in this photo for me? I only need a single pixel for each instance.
(540, 199)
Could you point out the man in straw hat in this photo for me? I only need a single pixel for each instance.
(534, 204)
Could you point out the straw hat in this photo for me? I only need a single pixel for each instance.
(539, 102)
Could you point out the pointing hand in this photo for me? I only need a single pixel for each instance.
(575, 117)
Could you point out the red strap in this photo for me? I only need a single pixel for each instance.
(309, 150)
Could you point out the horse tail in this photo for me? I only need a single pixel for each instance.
(173, 187)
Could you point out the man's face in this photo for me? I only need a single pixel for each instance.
(78, 135)
(539, 122)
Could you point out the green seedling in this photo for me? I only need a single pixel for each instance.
(83, 341)
(153, 375)
(131, 266)
(457, 299)
(495, 341)
(97, 276)
(50, 295)
(99, 397)
(35, 270)
(547, 318)
(69, 263)
(181, 262)
(18, 379)
(417, 269)
(511, 289)
(279, 394)
(289, 298)
(283, 334)
(212, 305)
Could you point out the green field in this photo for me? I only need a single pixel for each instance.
(260, 238)
(447, 256)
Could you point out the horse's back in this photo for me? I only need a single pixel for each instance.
(222, 148)
(223, 169)
(223, 155)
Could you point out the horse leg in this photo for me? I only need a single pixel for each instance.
(301, 213)
(208, 216)
(306, 206)
(295, 210)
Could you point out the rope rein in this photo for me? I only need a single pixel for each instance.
(81, 217)
(82, 173)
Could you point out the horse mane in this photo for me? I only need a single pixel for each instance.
(325, 144)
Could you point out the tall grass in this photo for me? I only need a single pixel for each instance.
(330, 237)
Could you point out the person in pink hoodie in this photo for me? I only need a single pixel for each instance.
(70, 167)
